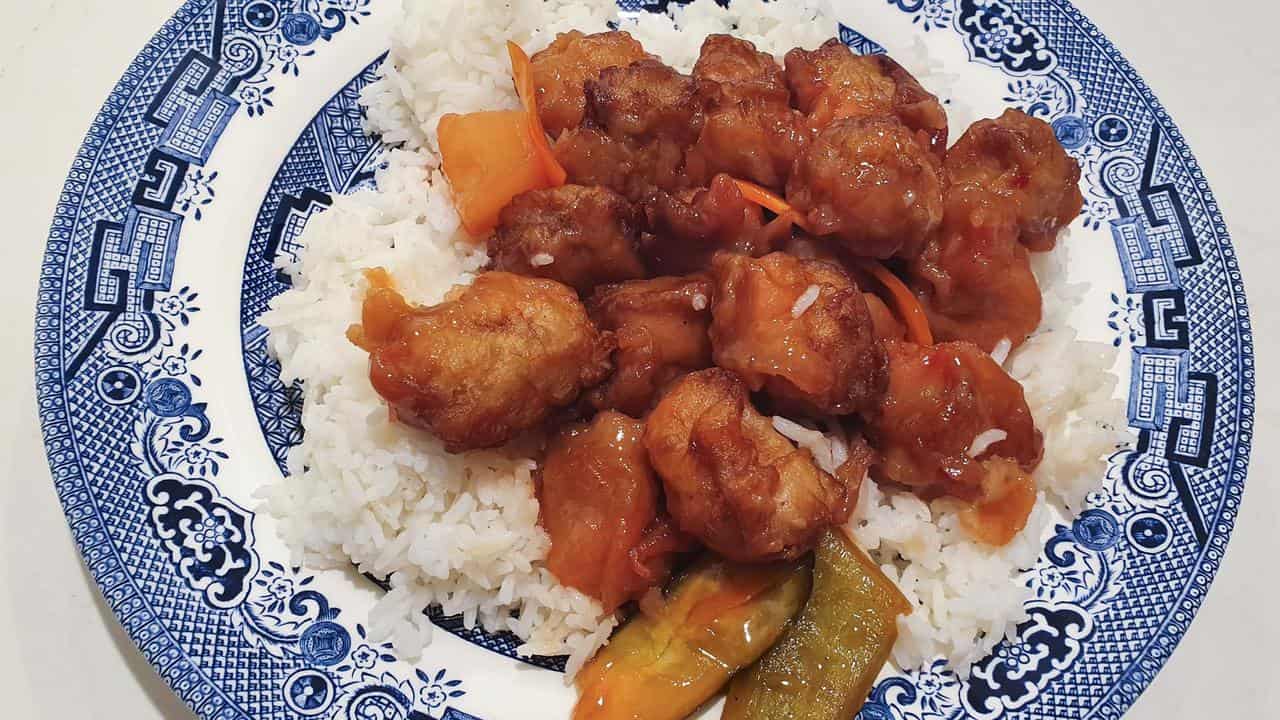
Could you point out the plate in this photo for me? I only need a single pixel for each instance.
(162, 412)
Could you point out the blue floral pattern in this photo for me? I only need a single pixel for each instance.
(180, 306)
(130, 431)
(279, 38)
(1125, 320)
(196, 193)
(928, 14)
(998, 35)
(209, 538)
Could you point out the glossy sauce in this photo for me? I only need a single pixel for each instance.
(598, 498)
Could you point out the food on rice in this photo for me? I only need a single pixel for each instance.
(719, 618)
(1018, 159)
(415, 496)
(750, 131)
(870, 185)
(660, 329)
(938, 402)
(492, 360)
(593, 232)
(831, 83)
(798, 330)
(824, 665)
(1011, 187)
(561, 69)
(490, 160)
(688, 228)
(733, 481)
(602, 509)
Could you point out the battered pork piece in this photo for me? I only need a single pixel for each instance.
(560, 71)
(751, 132)
(648, 101)
(660, 328)
(492, 360)
(687, 228)
(973, 277)
(941, 402)
(832, 83)
(732, 481)
(752, 139)
(640, 121)
(740, 70)
(580, 236)
(599, 502)
(867, 183)
(1019, 160)
(1008, 180)
(590, 157)
(797, 329)
(647, 115)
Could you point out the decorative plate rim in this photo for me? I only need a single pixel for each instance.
(1207, 567)
(194, 685)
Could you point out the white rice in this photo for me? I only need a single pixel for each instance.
(461, 530)
(1000, 353)
(984, 440)
(805, 301)
(829, 450)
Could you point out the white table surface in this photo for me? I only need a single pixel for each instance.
(1214, 65)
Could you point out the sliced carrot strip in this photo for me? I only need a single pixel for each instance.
(908, 307)
(522, 74)
(766, 199)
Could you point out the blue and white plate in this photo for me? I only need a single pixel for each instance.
(162, 412)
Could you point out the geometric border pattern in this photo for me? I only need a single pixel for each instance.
(81, 467)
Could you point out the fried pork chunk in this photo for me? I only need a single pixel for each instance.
(797, 329)
(868, 184)
(660, 329)
(580, 236)
(688, 228)
(740, 69)
(1019, 160)
(495, 358)
(1010, 188)
(647, 102)
(938, 400)
(561, 70)
(640, 120)
(732, 480)
(831, 83)
(751, 131)
(973, 276)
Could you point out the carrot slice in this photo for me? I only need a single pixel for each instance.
(908, 307)
(522, 74)
(766, 199)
